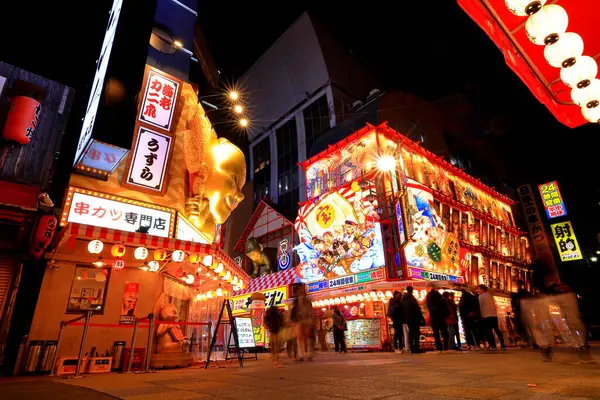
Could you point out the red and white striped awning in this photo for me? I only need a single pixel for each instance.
(270, 281)
(75, 231)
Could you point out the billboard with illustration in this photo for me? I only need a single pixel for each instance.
(430, 247)
(339, 234)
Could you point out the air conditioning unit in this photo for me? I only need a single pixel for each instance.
(372, 94)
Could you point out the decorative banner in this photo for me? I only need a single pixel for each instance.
(400, 222)
(101, 159)
(151, 152)
(273, 297)
(362, 277)
(115, 213)
(566, 242)
(283, 257)
(245, 332)
(534, 222)
(552, 200)
(160, 98)
(187, 231)
(418, 273)
(130, 298)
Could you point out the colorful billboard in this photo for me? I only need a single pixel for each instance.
(340, 234)
(552, 200)
(566, 242)
(430, 246)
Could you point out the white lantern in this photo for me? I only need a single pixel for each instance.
(580, 73)
(389, 294)
(141, 253)
(353, 297)
(227, 276)
(546, 25)
(342, 300)
(523, 8)
(360, 297)
(219, 292)
(366, 297)
(198, 297)
(234, 282)
(348, 299)
(564, 52)
(219, 269)
(336, 301)
(241, 284)
(178, 256)
(189, 279)
(589, 96)
(209, 294)
(153, 266)
(592, 114)
(95, 246)
(207, 261)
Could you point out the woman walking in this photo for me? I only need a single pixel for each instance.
(339, 331)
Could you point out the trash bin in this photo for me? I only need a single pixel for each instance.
(117, 354)
(47, 356)
(34, 354)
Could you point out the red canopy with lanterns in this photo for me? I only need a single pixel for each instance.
(528, 60)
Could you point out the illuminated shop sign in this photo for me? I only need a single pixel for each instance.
(283, 257)
(101, 159)
(400, 223)
(160, 98)
(534, 221)
(188, 232)
(417, 273)
(107, 211)
(273, 297)
(98, 83)
(362, 277)
(566, 242)
(552, 200)
(149, 160)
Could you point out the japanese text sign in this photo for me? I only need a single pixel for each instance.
(273, 297)
(534, 222)
(245, 332)
(101, 157)
(149, 160)
(160, 98)
(101, 211)
(566, 242)
(552, 200)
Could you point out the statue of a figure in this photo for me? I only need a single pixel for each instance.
(169, 337)
(254, 251)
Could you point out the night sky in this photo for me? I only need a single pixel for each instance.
(429, 48)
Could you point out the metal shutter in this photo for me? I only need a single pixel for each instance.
(6, 270)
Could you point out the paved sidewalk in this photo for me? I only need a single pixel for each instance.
(499, 375)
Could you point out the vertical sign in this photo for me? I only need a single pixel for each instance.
(160, 98)
(566, 242)
(130, 298)
(283, 258)
(552, 200)
(149, 160)
(534, 222)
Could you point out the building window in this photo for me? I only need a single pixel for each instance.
(88, 289)
(287, 146)
(316, 120)
(261, 156)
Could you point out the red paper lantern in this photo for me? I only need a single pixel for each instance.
(22, 120)
(118, 250)
(44, 232)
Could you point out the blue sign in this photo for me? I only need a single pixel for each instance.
(343, 281)
(316, 286)
(283, 259)
(400, 220)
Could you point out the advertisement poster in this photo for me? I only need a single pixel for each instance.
(363, 333)
(339, 234)
(130, 298)
(566, 242)
(245, 332)
(552, 200)
(430, 246)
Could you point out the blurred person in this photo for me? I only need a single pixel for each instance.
(291, 345)
(274, 323)
(438, 311)
(396, 314)
(414, 318)
(515, 302)
(302, 315)
(339, 331)
(452, 321)
(489, 316)
(468, 307)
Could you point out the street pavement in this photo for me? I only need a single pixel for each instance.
(515, 374)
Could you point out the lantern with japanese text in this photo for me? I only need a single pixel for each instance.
(118, 250)
(43, 235)
(178, 256)
(160, 254)
(141, 253)
(195, 258)
(95, 246)
(153, 266)
(22, 119)
(119, 264)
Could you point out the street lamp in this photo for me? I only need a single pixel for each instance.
(234, 95)
(386, 163)
(593, 259)
(238, 109)
(243, 122)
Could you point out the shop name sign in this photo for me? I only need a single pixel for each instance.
(418, 273)
(566, 242)
(160, 98)
(534, 221)
(273, 297)
(361, 277)
(107, 213)
(552, 200)
(150, 159)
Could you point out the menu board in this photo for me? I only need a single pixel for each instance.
(245, 332)
(363, 333)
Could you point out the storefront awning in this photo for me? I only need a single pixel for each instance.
(277, 279)
(527, 59)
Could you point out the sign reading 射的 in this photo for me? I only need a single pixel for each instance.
(273, 297)
(107, 211)
(566, 242)
(361, 277)
(160, 99)
(534, 222)
(151, 151)
(552, 200)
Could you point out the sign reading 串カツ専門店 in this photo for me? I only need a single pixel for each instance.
(107, 211)
(160, 98)
(150, 159)
(566, 242)
(552, 200)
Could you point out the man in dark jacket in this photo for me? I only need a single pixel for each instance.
(438, 311)
(515, 302)
(396, 314)
(413, 317)
(468, 308)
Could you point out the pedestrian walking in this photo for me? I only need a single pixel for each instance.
(468, 307)
(339, 331)
(302, 315)
(438, 311)
(414, 318)
(489, 316)
(515, 302)
(396, 314)
(452, 322)
(274, 323)
(290, 330)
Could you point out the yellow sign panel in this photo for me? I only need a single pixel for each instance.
(273, 297)
(566, 242)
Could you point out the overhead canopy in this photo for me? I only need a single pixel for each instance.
(527, 59)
